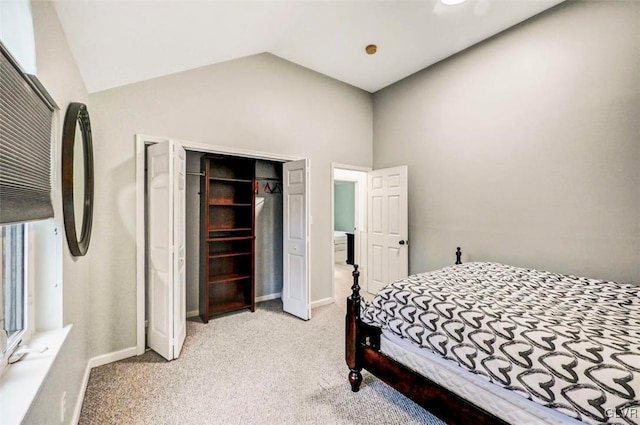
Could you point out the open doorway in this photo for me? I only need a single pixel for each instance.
(349, 200)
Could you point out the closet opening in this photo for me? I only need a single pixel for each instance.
(243, 258)
(231, 221)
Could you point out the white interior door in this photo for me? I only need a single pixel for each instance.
(166, 283)
(296, 294)
(387, 227)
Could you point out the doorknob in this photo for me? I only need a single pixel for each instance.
(403, 242)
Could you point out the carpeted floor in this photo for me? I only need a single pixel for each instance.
(262, 368)
(342, 279)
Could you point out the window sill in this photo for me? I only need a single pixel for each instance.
(21, 381)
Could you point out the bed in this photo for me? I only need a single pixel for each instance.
(487, 343)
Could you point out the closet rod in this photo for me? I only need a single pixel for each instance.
(269, 178)
(195, 174)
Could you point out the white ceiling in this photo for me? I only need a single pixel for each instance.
(121, 42)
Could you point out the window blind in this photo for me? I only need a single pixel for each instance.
(25, 145)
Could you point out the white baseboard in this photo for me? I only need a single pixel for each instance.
(95, 362)
(112, 357)
(193, 313)
(83, 390)
(320, 303)
(269, 297)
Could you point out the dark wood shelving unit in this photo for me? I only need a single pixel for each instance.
(227, 281)
(239, 229)
(230, 238)
(226, 308)
(230, 254)
(229, 277)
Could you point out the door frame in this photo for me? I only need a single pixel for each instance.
(141, 141)
(363, 210)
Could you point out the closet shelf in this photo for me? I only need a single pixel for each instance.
(231, 277)
(232, 180)
(230, 254)
(230, 239)
(235, 229)
(227, 204)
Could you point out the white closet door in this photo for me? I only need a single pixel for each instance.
(388, 227)
(160, 272)
(296, 294)
(179, 240)
(166, 164)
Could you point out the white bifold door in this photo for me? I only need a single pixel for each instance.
(166, 290)
(296, 296)
(387, 227)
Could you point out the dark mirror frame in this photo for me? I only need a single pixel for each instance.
(77, 116)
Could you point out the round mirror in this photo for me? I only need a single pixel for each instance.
(78, 181)
(77, 178)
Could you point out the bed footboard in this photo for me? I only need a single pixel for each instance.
(353, 353)
(359, 336)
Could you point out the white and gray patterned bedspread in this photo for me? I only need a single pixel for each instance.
(566, 342)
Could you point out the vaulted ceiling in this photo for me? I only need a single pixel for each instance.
(121, 42)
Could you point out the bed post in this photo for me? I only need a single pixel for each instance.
(353, 352)
(458, 256)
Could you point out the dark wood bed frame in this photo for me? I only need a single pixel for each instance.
(363, 352)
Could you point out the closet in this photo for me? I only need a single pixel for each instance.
(214, 238)
(227, 235)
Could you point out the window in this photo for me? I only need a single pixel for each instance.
(26, 112)
(13, 298)
(13, 280)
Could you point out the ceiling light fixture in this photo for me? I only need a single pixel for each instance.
(451, 2)
(371, 49)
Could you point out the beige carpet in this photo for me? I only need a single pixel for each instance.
(265, 367)
(343, 280)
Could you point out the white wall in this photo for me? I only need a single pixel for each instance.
(261, 103)
(525, 149)
(59, 74)
(16, 33)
